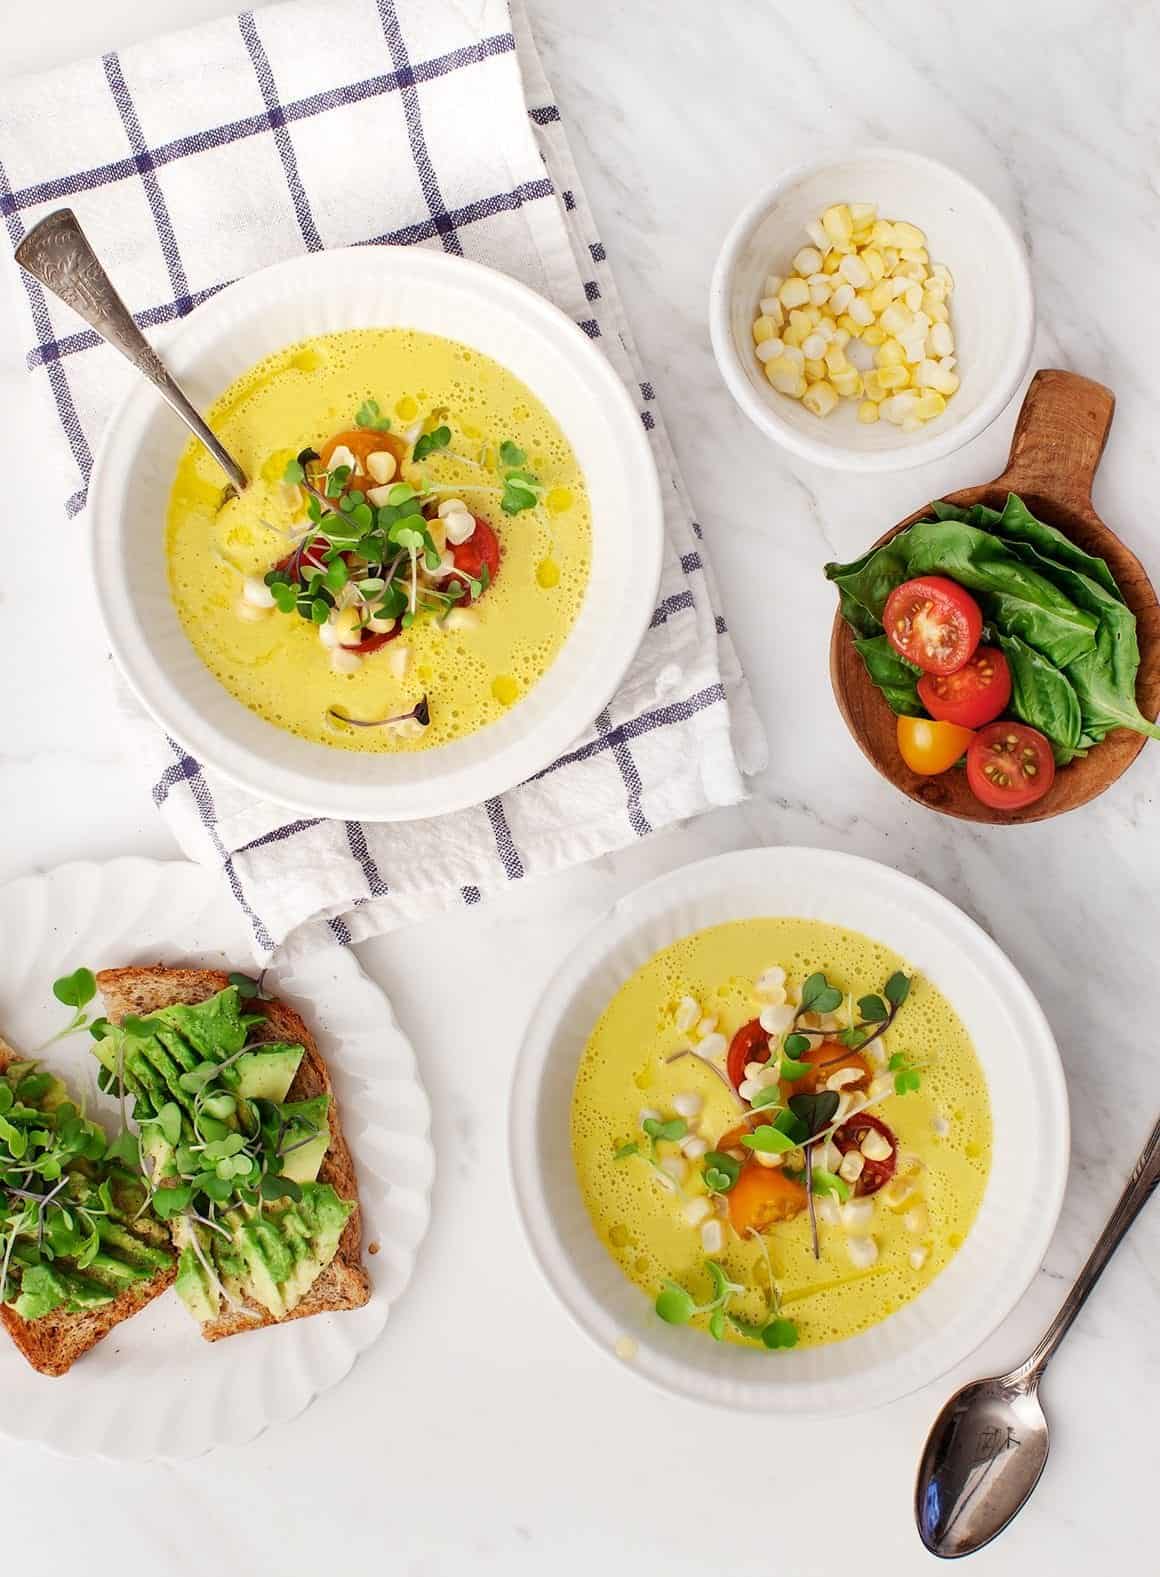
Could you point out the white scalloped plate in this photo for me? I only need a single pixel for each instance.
(205, 1394)
(1014, 1043)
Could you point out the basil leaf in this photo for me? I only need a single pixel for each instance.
(894, 676)
(1043, 696)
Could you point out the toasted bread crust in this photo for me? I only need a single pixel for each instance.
(344, 1283)
(53, 1343)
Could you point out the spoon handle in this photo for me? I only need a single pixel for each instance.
(1144, 1178)
(57, 253)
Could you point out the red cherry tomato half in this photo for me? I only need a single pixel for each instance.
(471, 557)
(371, 642)
(874, 1173)
(1010, 765)
(933, 622)
(973, 695)
(750, 1044)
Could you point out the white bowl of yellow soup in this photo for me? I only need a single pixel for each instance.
(981, 1134)
(284, 360)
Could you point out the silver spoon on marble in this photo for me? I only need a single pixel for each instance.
(989, 1444)
(57, 253)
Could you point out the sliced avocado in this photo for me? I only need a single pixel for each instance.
(168, 1070)
(116, 1273)
(213, 1028)
(301, 1160)
(324, 1215)
(177, 1048)
(268, 1262)
(194, 1288)
(131, 1247)
(44, 1288)
(266, 1074)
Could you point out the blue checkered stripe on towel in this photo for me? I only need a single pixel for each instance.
(161, 161)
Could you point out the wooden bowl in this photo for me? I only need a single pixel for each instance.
(1059, 438)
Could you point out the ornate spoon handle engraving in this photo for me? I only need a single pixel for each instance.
(58, 254)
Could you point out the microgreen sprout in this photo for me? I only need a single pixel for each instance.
(75, 991)
(429, 443)
(720, 1171)
(906, 1076)
(369, 415)
(419, 713)
(676, 1306)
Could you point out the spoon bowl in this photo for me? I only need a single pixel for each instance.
(982, 1459)
(988, 1446)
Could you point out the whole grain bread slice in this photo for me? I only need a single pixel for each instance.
(344, 1283)
(53, 1343)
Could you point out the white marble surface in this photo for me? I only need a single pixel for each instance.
(483, 1435)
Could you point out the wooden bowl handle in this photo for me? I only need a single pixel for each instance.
(1059, 438)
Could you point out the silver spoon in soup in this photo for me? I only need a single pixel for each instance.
(58, 254)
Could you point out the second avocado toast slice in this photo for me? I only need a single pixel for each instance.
(64, 1302)
(299, 1253)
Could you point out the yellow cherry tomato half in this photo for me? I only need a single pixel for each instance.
(928, 747)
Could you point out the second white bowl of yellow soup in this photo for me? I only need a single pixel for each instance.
(445, 560)
(724, 1024)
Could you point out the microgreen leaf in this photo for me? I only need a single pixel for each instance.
(511, 453)
(780, 1333)
(717, 1325)
(796, 1044)
(139, 1027)
(815, 1111)
(77, 989)
(897, 988)
(830, 1183)
(245, 986)
(624, 1151)
(790, 1070)
(672, 1130)
(771, 1095)
(720, 1171)
(428, 443)
(873, 1009)
(279, 1188)
(768, 1140)
(674, 1305)
(294, 473)
(369, 415)
(99, 1028)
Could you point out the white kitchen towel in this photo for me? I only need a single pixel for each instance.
(197, 158)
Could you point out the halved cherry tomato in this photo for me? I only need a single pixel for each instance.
(972, 695)
(310, 557)
(762, 1195)
(827, 1057)
(933, 622)
(750, 1044)
(874, 1173)
(471, 557)
(371, 642)
(1010, 765)
(363, 441)
(928, 747)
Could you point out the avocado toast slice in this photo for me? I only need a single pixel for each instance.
(132, 1265)
(298, 1256)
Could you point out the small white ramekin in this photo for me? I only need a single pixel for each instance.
(992, 306)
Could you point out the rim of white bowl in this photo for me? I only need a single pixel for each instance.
(899, 1376)
(923, 447)
(472, 783)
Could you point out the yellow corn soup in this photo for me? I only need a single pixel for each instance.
(943, 1130)
(274, 663)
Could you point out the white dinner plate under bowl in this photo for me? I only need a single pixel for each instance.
(1003, 1249)
(153, 1388)
(369, 287)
